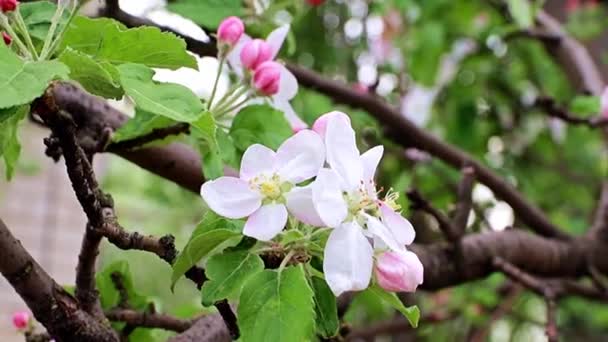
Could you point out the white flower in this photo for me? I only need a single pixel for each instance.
(288, 85)
(265, 189)
(345, 198)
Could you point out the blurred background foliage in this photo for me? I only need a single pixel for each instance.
(455, 68)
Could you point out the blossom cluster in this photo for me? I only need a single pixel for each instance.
(366, 230)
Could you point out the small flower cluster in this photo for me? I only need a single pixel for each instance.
(366, 229)
(253, 61)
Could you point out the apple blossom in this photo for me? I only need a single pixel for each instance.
(604, 103)
(7, 39)
(21, 319)
(399, 271)
(345, 198)
(255, 52)
(8, 5)
(230, 31)
(266, 183)
(267, 77)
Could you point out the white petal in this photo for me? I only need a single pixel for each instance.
(328, 199)
(276, 39)
(300, 157)
(300, 205)
(342, 153)
(402, 229)
(266, 222)
(378, 229)
(370, 161)
(234, 56)
(288, 85)
(294, 120)
(257, 159)
(348, 259)
(230, 197)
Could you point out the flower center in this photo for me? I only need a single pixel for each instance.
(360, 202)
(270, 186)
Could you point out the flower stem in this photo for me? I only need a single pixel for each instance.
(51, 34)
(230, 109)
(217, 78)
(230, 100)
(227, 95)
(286, 260)
(59, 37)
(25, 33)
(14, 36)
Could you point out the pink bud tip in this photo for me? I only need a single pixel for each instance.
(7, 39)
(21, 319)
(230, 30)
(399, 271)
(361, 88)
(254, 53)
(315, 2)
(8, 5)
(267, 77)
(320, 125)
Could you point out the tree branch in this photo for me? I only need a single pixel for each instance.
(154, 135)
(465, 200)
(549, 106)
(446, 226)
(148, 320)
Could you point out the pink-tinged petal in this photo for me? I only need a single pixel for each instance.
(320, 125)
(604, 102)
(234, 56)
(381, 231)
(328, 199)
(230, 197)
(370, 160)
(266, 222)
(348, 259)
(294, 120)
(300, 205)
(342, 152)
(288, 85)
(399, 271)
(254, 53)
(276, 39)
(300, 157)
(257, 160)
(402, 229)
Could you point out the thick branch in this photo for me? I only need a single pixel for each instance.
(148, 320)
(52, 306)
(465, 200)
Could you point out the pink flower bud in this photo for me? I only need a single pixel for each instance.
(21, 319)
(320, 125)
(230, 30)
(361, 88)
(399, 271)
(604, 103)
(8, 5)
(315, 2)
(254, 53)
(7, 39)
(267, 77)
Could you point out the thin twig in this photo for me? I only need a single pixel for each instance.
(420, 203)
(155, 135)
(148, 320)
(550, 106)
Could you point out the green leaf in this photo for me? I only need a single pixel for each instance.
(522, 13)
(412, 313)
(21, 82)
(37, 17)
(207, 13)
(107, 40)
(109, 295)
(212, 235)
(227, 273)
(173, 101)
(206, 128)
(10, 149)
(276, 306)
(99, 78)
(260, 124)
(585, 105)
(143, 122)
(326, 311)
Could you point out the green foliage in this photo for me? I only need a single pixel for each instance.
(109, 294)
(99, 78)
(522, 12)
(227, 272)
(586, 105)
(37, 17)
(173, 101)
(326, 313)
(259, 124)
(276, 306)
(108, 40)
(427, 45)
(9, 141)
(412, 313)
(212, 235)
(215, 158)
(23, 81)
(143, 122)
(207, 13)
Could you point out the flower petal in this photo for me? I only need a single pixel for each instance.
(230, 197)
(276, 39)
(266, 222)
(257, 159)
(300, 157)
(401, 228)
(292, 117)
(300, 205)
(348, 259)
(370, 160)
(234, 56)
(381, 231)
(288, 85)
(327, 198)
(342, 152)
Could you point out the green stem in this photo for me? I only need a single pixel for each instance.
(233, 97)
(227, 95)
(217, 78)
(15, 37)
(230, 109)
(51, 34)
(62, 32)
(286, 260)
(25, 33)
